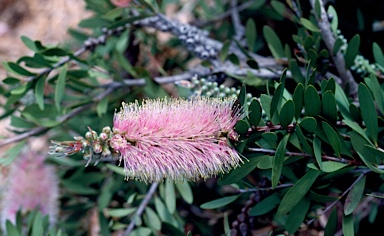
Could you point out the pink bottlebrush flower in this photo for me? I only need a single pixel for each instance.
(31, 184)
(176, 138)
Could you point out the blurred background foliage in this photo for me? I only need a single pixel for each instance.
(312, 139)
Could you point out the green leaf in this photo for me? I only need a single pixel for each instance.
(185, 191)
(297, 192)
(278, 161)
(378, 54)
(331, 166)
(368, 112)
(170, 197)
(277, 98)
(21, 123)
(317, 151)
(10, 155)
(116, 169)
(337, 46)
(141, 231)
(121, 212)
(20, 89)
(241, 127)
(352, 51)
(37, 228)
(297, 216)
(285, 12)
(102, 106)
(147, 5)
(331, 227)
(348, 228)
(329, 106)
(11, 229)
(309, 25)
(29, 43)
(303, 141)
(309, 124)
(333, 138)
(253, 64)
(273, 41)
(266, 205)
(234, 59)
(255, 112)
(286, 114)
(240, 172)
(377, 91)
(265, 101)
(335, 19)
(152, 219)
(250, 34)
(60, 87)
(342, 102)
(163, 213)
(296, 71)
(39, 92)
(360, 145)
(312, 101)
(219, 202)
(224, 50)
(354, 196)
(298, 99)
(15, 68)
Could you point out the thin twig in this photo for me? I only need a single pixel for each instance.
(335, 202)
(329, 40)
(141, 208)
(263, 189)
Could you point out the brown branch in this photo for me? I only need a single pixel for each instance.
(329, 40)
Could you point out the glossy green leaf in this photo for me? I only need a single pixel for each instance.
(265, 163)
(265, 101)
(298, 99)
(309, 25)
(309, 124)
(297, 215)
(37, 227)
(278, 161)
(60, 87)
(378, 54)
(250, 34)
(163, 212)
(241, 127)
(219, 202)
(354, 196)
(287, 113)
(29, 43)
(224, 50)
(170, 197)
(242, 96)
(285, 12)
(329, 106)
(10, 155)
(335, 19)
(11, 229)
(352, 51)
(359, 144)
(185, 191)
(296, 71)
(303, 141)
(266, 205)
(141, 231)
(255, 112)
(277, 98)
(342, 102)
(273, 41)
(333, 137)
(39, 92)
(317, 151)
(312, 101)
(15, 68)
(377, 92)
(297, 192)
(102, 106)
(116, 169)
(368, 112)
(348, 228)
(356, 127)
(22, 89)
(331, 227)
(240, 172)
(152, 219)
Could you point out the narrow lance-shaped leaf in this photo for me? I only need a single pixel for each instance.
(250, 34)
(348, 228)
(378, 54)
(170, 197)
(185, 191)
(297, 192)
(333, 138)
(287, 113)
(352, 50)
(329, 106)
(312, 101)
(309, 25)
(354, 196)
(255, 112)
(219, 202)
(330, 228)
(317, 151)
(60, 87)
(298, 99)
(278, 161)
(273, 41)
(297, 216)
(368, 112)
